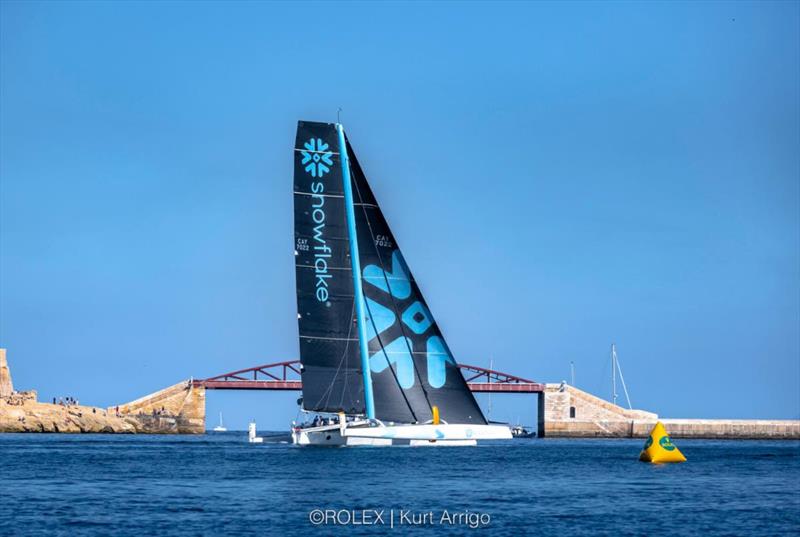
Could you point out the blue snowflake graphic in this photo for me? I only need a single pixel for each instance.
(395, 349)
(317, 159)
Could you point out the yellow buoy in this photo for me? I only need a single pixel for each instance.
(659, 447)
(435, 414)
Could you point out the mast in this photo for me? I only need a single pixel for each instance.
(369, 401)
(614, 373)
(622, 379)
(616, 368)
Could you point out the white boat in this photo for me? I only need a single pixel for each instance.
(376, 433)
(374, 361)
(221, 427)
(519, 431)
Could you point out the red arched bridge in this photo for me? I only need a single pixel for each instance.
(286, 376)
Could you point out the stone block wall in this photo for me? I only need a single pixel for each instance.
(755, 429)
(568, 411)
(565, 411)
(180, 408)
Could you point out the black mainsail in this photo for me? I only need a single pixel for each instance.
(411, 366)
(329, 349)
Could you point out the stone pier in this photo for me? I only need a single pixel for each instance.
(566, 411)
(180, 408)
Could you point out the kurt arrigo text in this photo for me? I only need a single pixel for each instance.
(393, 518)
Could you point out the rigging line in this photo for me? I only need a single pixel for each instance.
(394, 373)
(327, 393)
(391, 297)
(397, 312)
(346, 349)
(375, 328)
(394, 304)
(346, 371)
(344, 356)
(625, 388)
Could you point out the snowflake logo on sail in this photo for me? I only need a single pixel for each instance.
(317, 158)
(397, 345)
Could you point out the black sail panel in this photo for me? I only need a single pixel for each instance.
(406, 347)
(329, 351)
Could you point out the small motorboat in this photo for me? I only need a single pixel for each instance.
(518, 431)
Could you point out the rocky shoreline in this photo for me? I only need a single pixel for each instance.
(30, 416)
(179, 409)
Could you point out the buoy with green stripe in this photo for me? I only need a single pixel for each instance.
(659, 447)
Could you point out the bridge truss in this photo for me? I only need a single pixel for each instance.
(286, 376)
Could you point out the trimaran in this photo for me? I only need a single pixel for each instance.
(373, 358)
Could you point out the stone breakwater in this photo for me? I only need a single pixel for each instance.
(170, 411)
(178, 409)
(566, 411)
(21, 413)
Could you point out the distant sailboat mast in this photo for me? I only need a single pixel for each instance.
(221, 427)
(615, 368)
(613, 373)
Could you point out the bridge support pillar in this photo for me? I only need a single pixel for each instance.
(540, 417)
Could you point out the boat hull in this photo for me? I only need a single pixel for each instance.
(399, 435)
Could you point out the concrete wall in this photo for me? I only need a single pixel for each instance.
(180, 408)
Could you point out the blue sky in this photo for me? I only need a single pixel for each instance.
(560, 177)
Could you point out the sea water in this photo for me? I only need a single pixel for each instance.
(219, 484)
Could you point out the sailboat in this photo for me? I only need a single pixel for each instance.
(374, 361)
(221, 427)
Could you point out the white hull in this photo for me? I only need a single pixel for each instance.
(221, 427)
(362, 434)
